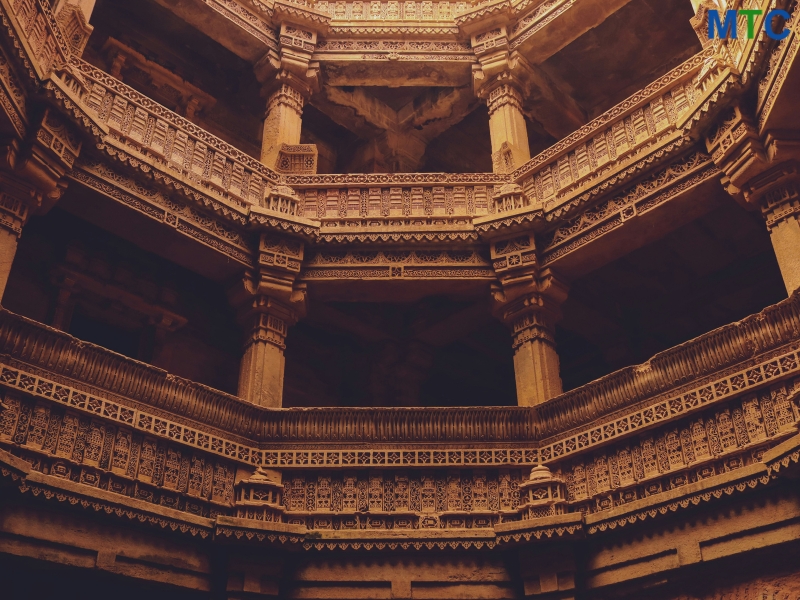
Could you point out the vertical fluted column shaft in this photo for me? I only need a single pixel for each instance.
(283, 122)
(509, 134)
(263, 362)
(536, 363)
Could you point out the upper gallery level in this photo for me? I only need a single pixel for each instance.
(164, 127)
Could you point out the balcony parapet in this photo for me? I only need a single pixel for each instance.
(720, 364)
(691, 422)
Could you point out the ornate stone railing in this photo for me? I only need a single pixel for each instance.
(597, 152)
(403, 198)
(172, 141)
(109, 374)
(703, 409)
(668, 371)
(104, 374)
(40, 35)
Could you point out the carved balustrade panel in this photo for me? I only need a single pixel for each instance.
(44, 44)
(173, 143)
(603, 149)
(401, 200)
(709, 407)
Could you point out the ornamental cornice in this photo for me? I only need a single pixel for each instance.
(20, 474)
(239, 14)
(49, 487)
(715, 488)
(300, 12)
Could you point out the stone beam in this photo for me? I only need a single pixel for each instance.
(249, 40)
(365, 107)
(398, 138)
(571, 24)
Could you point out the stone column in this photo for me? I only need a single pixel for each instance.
(268, 302)
(263, 363)
(762, 172)
(536, 365)
(282, 123)
(510, 147)
(528, 300)
(781, 209)
(14, 206)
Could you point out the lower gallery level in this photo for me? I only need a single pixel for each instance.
(481, 299)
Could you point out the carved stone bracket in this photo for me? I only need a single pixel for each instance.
(73, 17)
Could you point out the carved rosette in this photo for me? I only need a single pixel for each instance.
(542, 495)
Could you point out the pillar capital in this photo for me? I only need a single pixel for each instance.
(504, 93)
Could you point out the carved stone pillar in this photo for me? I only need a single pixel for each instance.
(528, 301)
(262, 367)
(282, 123)
(16, 200)
(268, 303)
(31, 179)
(296, 77)
(510, 147)
(780, 205)
(763, 173)
(536, 364)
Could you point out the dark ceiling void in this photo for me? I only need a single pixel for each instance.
(630, 49)
(435, 352)
(464, 148)
(163, 39)
(718, 269)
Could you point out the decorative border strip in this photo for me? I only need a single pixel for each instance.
(161, 427)
(716, 389)
(140, 515)
(694, 499)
